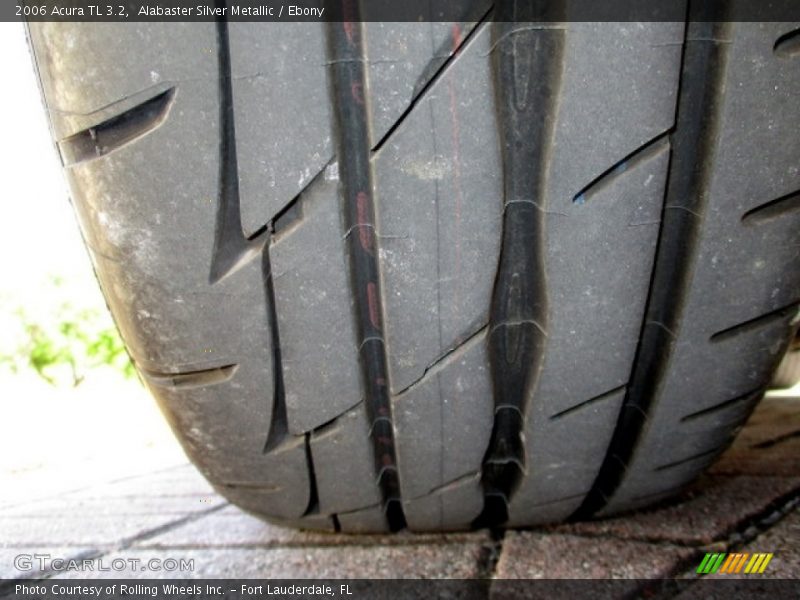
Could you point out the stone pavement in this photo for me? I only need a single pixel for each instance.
(747, 501)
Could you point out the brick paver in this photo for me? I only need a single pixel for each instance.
(173, 512)
(539, 555)
(374, 562)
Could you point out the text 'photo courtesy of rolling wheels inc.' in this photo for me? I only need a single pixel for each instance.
(365, 299)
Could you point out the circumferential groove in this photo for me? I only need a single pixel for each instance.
(693, 142)
(116, 132)
(352, 132)
(526, 70)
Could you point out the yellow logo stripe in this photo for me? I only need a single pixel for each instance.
(753, 564)
(765, 563)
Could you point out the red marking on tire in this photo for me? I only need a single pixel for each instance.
(382, 411)
(372, 303)
(357, 92)
(349, 15)
(459, 195)
(380, 381)
(363, 216)
(456, 33)
(387, 460)
(349, 28)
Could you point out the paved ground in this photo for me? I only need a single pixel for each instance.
(746, 502)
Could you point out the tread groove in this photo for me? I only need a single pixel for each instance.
(279, 424)
(434, 71)
(703, 60)
(232, 250)
(449, 485)
(589, 402)
(642, 154)
(758, 322)
(249, 485)
(442, 359)
(450, 46)
(788, 45)
(772, 209)
(288, 218)
(517, 322)
(689, 459)
(191, 379)
(560, 500)
(118, 131)
(313, 496)
(352, 133)
(723, 405)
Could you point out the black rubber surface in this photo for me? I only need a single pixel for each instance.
(440, 275)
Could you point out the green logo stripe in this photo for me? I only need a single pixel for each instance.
(701, 568)
(715, 567)
(711, 563)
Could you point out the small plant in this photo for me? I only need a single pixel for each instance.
(62, 344)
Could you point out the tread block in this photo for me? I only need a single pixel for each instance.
(451, 404)
(345, 442)
(439, 211)
(310, 271)
(275, 484)
(595, 128)
(153, 267)
(283, 115)
(452, 508)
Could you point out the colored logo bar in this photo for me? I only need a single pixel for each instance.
(736, 562)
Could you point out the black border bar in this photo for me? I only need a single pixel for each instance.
(362, 589)
(371, 10)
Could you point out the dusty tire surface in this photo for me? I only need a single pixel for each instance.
(439, 275)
